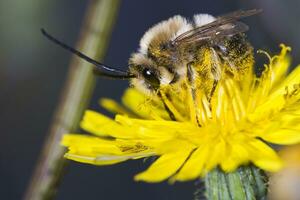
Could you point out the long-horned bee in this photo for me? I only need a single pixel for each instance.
(178, 49)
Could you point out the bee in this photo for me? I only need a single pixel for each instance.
(177, 49)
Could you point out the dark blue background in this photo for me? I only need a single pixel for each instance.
(32, 73)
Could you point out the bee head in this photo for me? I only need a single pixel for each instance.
(148, 75)
(154, 64)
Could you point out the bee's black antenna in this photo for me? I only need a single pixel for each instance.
(100, 69)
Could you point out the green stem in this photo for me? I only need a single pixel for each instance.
(246, 183)
(75, 97)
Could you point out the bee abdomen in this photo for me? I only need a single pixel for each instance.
(237, 54)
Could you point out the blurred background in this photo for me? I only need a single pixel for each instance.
(33, 70)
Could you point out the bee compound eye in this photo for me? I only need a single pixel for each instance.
(151, 77)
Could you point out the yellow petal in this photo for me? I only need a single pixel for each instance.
(162, 129)
(174, 145)
(282, 136)
(89, 145)
(218, 155)
(106, 159)
(101, 125)
(237, 155)
(280, 68)
(112, 106)
(263, 156)
(194, 165)
(164, 167)
(143, 105)
(93, 160)
(279, 65)
(277, 100)
(97, 151)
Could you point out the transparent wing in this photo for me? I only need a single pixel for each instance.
(226, 25)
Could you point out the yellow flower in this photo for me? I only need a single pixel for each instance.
(233, 129)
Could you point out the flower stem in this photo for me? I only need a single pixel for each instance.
(247, 183)
(75, 97)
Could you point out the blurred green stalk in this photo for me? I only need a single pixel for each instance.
(246, 183)
(75, 96)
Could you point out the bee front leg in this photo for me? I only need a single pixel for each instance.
(171, 115)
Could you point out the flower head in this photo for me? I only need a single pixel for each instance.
(234, 127)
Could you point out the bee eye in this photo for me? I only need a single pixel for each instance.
(151, 78)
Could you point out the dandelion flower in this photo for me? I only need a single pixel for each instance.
(235, 127)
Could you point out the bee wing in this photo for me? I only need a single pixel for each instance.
(226, 25)
(218, 32)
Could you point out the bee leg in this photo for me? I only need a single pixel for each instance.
(213, 89)
(215, 70)
(171, 115)
(191, 80)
